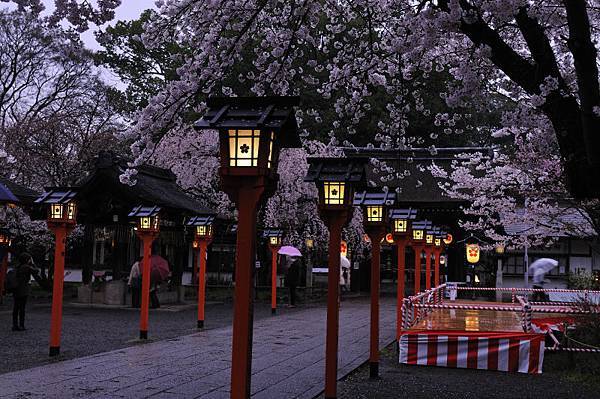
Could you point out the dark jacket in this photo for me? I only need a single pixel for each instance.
(293, 274)
(24, 273)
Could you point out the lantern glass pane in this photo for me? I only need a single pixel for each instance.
(56, 211)
(71, 211)
(155, 220)
(417, 234)
(145, 222)
(438, 242)
(429, 239)
(400, 226)
(334, 193)
(374, 213)
(201, 231)
(243, 147)
(274, 240)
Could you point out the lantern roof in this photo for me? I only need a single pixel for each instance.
(271, 232)
(348, 170)
(6, 196)
(56, 195)
(404, 214)
(422, 225)
(371, 197)
(14, 193)
(144, 211)
(202, 220)
(270, 112)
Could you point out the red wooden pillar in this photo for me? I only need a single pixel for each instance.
(427, 268)
(274, 279)
(147, 239)
(248, 198)
(202, 244)
(418, 250)
(335, 224)
(436, 278)
(375, 235)
(401, 245)
(60, 234)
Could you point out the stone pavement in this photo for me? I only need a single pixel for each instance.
(288, 361)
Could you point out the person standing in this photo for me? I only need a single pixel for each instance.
(291, 280)
(135, 282)
(23, 273)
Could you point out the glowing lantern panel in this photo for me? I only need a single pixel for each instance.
(400, 226)
(417, 234)
(472, 253)
(374, 213)
(334, 193)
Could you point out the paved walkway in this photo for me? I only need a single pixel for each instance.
(288, 361)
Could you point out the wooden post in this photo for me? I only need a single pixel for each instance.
(436, 279)
(248, 198)
(427, 268)
(274, 250)
(202, 244)
(60, 233)
(401, 243)
(376, 234)
(418, 250)
(335, 225)
(147, 243)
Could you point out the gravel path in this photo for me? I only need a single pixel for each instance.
(87, 331)
(402, 381)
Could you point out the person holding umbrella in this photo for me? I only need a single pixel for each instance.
(538, 270)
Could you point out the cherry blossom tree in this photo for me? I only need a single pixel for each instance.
(55, 113)
(512, 191)
(539, 54)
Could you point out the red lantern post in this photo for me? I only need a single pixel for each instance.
(334, 178)
(203, 235)
(402, 219)
(418, 244)
(274, 236)
(148, 227)
(437, 251)
(62, 213)
(375, 219)
(429, 237)
(251, 132)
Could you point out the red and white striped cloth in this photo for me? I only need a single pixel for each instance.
(502, 351)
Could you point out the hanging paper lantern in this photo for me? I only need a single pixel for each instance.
(472, 253)
(389, 238)
(448, 239)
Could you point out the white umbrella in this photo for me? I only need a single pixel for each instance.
(289, 251)
(540, 267)
(344, 262)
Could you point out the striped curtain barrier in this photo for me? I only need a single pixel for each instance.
(501, 351)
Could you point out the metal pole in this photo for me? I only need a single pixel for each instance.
(147, 243)
(201, 281)
(60, 233)
(249, 195)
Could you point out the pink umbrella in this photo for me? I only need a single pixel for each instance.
(159, 268)
(289, 251)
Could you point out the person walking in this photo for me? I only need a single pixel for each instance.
(135, 282)
(23, 273)
(291, 279)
